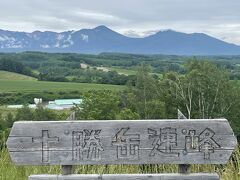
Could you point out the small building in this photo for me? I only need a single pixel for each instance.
(32, 106)
(83, 66)
(60, 104)
(38, 101)
(104, 69)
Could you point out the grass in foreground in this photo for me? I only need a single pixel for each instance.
(4, 111)
(8, 171)
(40, 86)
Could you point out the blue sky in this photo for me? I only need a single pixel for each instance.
(219, 18)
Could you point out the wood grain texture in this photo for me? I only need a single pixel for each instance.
(197, 141)
(197, 176)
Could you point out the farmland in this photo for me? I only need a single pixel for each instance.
(7, 86)
(124, 71)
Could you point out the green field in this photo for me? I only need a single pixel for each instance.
(5, 75)
(40, 86)
(123, 71)
(129, 72)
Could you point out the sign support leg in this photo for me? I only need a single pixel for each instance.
(68, 169)
(183, 168)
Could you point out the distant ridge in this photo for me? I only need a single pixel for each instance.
(102, 39)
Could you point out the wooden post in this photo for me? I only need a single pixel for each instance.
(69, 169)
(183, 168)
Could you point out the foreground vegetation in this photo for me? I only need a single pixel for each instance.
(8, 171)
(200, 89)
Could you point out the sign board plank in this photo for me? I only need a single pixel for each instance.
(197, 176)
(197, 141)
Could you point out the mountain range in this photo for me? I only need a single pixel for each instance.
(102, 39)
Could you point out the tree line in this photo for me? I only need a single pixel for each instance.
(7, 64)
(64, 72)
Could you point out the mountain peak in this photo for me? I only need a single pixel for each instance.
(102, 28)
(168, 30)
(102, 39)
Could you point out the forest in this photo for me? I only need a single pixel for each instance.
(67, 67)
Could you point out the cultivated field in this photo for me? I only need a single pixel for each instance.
(124, 71)
(40, 86)
(5, 75)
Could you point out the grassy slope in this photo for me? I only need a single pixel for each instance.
(5, 75)
(40, 86)
(13, 82)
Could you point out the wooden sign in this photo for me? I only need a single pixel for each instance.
(197, 141)
(197, 176)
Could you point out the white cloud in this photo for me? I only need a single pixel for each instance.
(220, 18)
(97, 16)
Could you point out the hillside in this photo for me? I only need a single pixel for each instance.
(5, 75)
(102, 39)
(14, 82)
